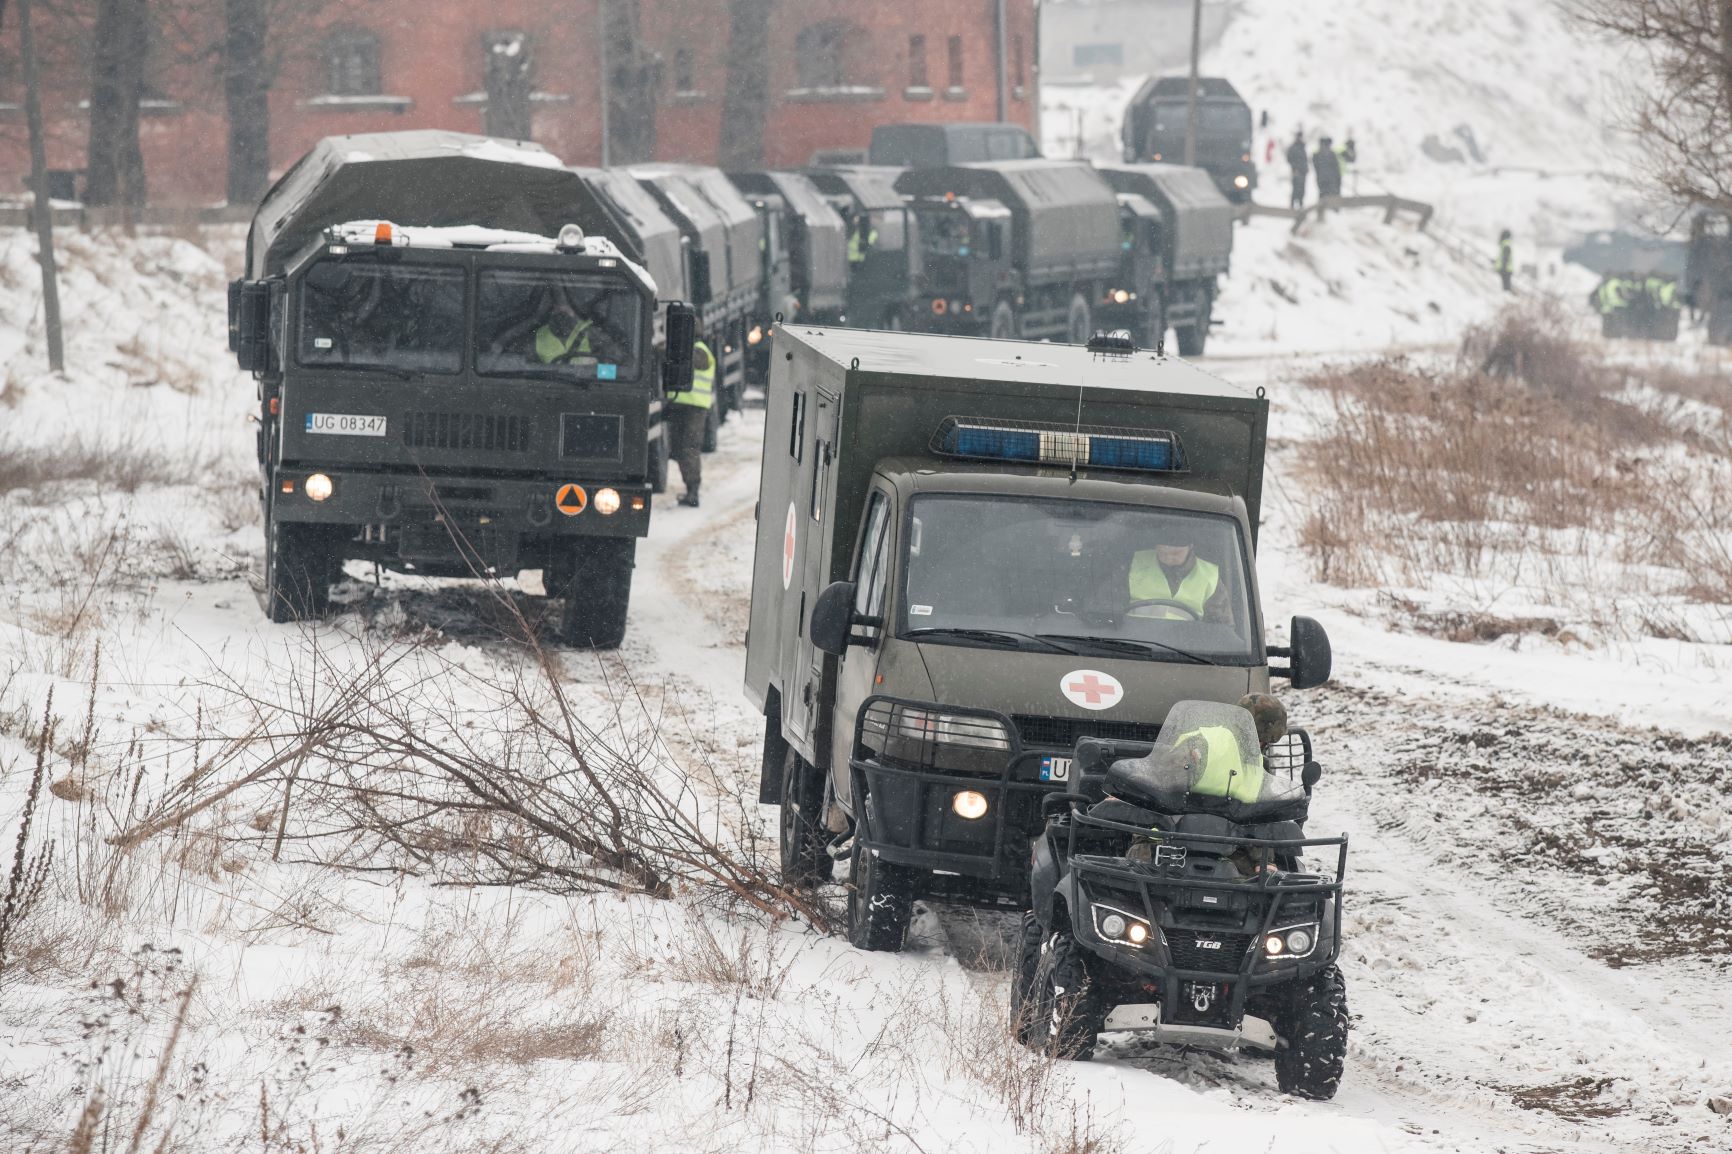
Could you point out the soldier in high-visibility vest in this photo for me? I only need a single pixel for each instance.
(685, 416)
(862, 238)
(1172, 572)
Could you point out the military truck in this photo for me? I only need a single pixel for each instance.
(725, 271)
(956, 142)
(455, 375)
(952, 585)
(1177, 239)
(805, 259)
(1155, 125)
(881, 241)
(1018, 248)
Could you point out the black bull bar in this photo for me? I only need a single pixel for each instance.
(903, 802)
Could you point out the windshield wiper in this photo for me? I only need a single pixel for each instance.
(1006, 637)
(1126, 645)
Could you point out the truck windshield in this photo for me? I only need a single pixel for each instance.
(366, 315)
(1232, 120)
(946, 231)
(1093, 577)
(538, 322)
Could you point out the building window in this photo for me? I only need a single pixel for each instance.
(683, 80)
(352, 64)
(1016, 72)
(956, 62)
(820, 54)
(1092, 55)
(917, 62)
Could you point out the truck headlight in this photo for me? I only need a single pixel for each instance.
(1121, 296)
(969, 804)
(607, 502)
(319, 487)
(1241, 181)
(931, 738)
(1119, 927)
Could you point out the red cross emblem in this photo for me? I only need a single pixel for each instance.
(1091, 689)
(788, 549)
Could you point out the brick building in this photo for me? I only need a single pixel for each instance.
(835, 69)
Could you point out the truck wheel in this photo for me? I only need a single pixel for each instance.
(1023, 999)
(298, 569)
(880, 900)
(1314, 1024)
(712, 428)
(594, 578)
(893, 321)
(1156, 335)
(1004, 326)
(1077, 326)
(1065, 1016)
(1194, 336)
(806, 860)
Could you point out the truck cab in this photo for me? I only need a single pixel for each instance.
(1156, 122)
(971, 554)
(881, 245)
(449, 383)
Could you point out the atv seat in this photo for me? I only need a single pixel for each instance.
(1136, 780)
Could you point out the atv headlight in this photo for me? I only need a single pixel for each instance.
(1121, 928)
(1290, 942)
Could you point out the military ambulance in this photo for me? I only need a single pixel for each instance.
(970, 553)
(456, 374)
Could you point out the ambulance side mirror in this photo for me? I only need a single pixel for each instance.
(1309, 657)
(833, 618)
(682, 335)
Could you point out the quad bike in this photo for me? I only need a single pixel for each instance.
(1169, 900)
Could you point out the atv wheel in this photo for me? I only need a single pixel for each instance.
(1023, 995)
(1314, 1024)
(880, 900)
(806, 860)
(1066, 1015)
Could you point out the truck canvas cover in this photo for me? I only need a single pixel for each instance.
(872, 186)
(1199, 219)
(425, 178)
(744, 227)
(826, 247)
(654, 234)
(1067, 217)
(842, 400)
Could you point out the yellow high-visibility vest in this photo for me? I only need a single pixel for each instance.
(702, 393)
(551, 348)
(1149, 581)
(1225, 771)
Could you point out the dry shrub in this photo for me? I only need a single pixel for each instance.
(125, 464)
(1519, 459)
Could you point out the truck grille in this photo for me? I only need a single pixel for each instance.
(1063, 732)
(478, 431)
(1189, 954)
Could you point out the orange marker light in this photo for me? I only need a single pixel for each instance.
(276, 405)
(382, 233)
(288, 484)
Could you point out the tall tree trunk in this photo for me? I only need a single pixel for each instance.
(746, 104)
(632, 82)
(41, 209)
(115, 164)
(247, 88)
(510, 81)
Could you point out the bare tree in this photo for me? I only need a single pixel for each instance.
(510, 83)
(746, 104)
(1684, 119)
(247, 90)
(115, 162)
(634, 74)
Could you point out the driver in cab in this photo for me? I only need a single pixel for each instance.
(564, 337)
(1170, 582)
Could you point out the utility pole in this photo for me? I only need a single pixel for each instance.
(43, 208)
(606, 86)
(1191, 101)
(1003, 75)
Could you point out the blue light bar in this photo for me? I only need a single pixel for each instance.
(994, 444)
(1153, 454)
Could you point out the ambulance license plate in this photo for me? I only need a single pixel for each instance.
(346, 424)
(1055, 769)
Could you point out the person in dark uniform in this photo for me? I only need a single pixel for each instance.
(1300, 163)
(1505, 263)
(1328, 166)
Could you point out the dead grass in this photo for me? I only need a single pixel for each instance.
(123, 465)
(1520, 462)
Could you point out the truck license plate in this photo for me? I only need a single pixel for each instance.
(1055, 769)
(346, 424)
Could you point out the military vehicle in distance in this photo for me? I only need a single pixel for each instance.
(1016, 248)
(1177, 232)
(938, 145)
(1156, 119)
(881, 242)
(455, 370)
(1708, 273)
(951, 586)
(805, 260)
